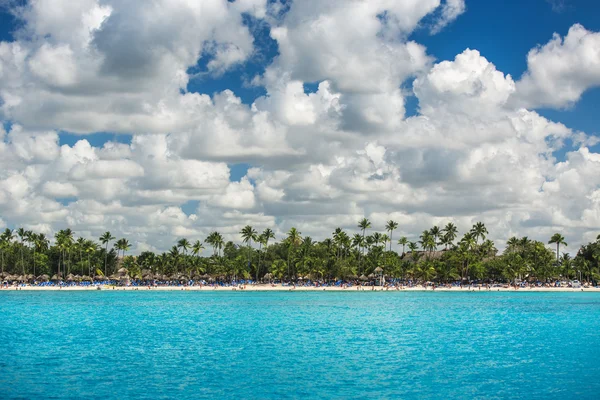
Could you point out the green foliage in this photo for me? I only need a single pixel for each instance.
(342, 256)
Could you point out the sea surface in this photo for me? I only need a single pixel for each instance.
(348, 345)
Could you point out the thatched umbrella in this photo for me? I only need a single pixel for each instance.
(371, 276)
(122, 271)
(43, 278)
(4, 274)
(378, 270)
(86, 278)
(363, 278)
(70, 278)
(55, 278)
(147, 277)
(145, 272)
(77, 278)
(99, 278)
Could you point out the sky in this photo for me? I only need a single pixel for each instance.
(171, 119)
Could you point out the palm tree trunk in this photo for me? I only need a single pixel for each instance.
(22, 260)
(258, 266)
(105, 258)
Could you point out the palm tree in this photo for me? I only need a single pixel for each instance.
(479, 231)
(391, 226)
(264, 238)
(80, 247)
(512, 243)
(558, 239)
(403, 241)
(450, 233)
(427, 242)
(294, 239)
(5, 240)
(30, 238)
(125, 246)
(412, 246)
(22, 233)
(363, 224)
(435, 232)
(122, 245)
(215, 239)
(248, 234)
(105, 239)
(184, 244)
(197, 249)
(90, 248)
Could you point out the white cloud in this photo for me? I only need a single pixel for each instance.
(560, 71)
(451, 10)
(320, 159)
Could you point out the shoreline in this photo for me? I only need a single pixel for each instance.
(279, 288)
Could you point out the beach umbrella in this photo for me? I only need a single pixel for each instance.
(363, 278)
(55, 278)
(99, 278)
(4, 274)
(86, 278)
(43, 278)
(371, 276)
(147, 277)
(379, 270)
(122, 271)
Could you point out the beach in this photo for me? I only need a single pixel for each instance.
(281, 288)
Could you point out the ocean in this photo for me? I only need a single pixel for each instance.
(282, 345)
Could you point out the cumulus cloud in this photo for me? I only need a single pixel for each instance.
(560, 71)
(320, 158)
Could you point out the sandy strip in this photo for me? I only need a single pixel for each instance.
(280, 288)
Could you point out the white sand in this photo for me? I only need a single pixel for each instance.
(280, 288)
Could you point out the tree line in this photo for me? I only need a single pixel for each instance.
(437, 255)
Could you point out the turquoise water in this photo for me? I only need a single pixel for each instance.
(290, 345)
